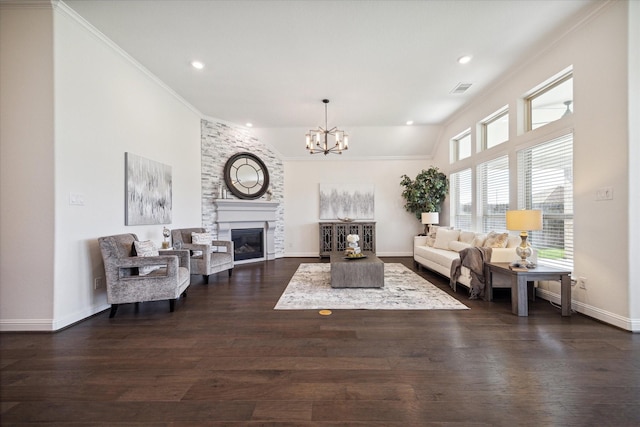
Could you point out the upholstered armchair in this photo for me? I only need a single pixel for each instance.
(206, 258)
(169, 279)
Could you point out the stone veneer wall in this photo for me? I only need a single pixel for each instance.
(219, 142)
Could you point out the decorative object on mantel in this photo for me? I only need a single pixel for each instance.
(523, 221)
(426, 193)
(318, 139)
(246, 176)
(428, 219)
(351, 201)
(345, 219)
(148, 191)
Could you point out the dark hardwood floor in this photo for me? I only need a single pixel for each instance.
(225, 357)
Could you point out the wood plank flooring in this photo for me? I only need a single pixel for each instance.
(226, 358)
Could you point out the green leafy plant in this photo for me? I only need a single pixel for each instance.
(426, 192)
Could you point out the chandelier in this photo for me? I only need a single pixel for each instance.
(318, 139)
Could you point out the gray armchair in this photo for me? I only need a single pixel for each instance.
(126, 285)
(206, 260)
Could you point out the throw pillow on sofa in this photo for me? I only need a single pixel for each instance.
(444, 236)
(478, 240)
(458, 246)
(467, 236)
(496, 240)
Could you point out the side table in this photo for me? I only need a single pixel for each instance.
(519, 279)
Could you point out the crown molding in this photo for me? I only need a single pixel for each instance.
(28, 4)
(68, 12)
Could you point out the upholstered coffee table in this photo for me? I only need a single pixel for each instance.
(356, 273)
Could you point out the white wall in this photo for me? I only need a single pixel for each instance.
(597, 49)
(26, 166)
(395, 227)
(105, 105)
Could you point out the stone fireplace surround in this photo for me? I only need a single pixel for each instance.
(234, 214)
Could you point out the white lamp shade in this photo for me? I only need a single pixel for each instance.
(430, 218)
(524, 220)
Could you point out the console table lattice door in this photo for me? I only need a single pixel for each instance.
(333, 236)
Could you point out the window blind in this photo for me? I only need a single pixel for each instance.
(493, 190)
(462, 196)
(545, 182)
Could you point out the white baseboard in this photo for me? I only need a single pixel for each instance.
(622, 322)
(48, 325)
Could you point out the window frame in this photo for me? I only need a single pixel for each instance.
(455, 146)
(496, 222)
(526, 194)
(545, 88)
(455, 192)
(502, 112)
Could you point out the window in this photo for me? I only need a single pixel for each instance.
(461, 146)
(495, 129)
(545, 182)
(461, 198)
(493, 191)
(550, 103)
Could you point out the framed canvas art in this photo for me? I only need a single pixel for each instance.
(148, 191)
(347, 201)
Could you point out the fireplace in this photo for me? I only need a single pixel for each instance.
(248, 243)
(234, 215)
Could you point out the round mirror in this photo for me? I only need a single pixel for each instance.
(246, 176)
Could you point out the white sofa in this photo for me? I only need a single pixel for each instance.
(440, 248)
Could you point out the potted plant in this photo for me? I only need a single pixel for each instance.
(426, 193)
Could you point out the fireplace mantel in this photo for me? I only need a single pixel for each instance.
(239, 214)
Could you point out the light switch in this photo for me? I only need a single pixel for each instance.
(76, 199)
(604, 193)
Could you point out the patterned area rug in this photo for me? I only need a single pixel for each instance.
(310, 288)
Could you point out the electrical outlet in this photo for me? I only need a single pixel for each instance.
(98, 283)
(582, 282)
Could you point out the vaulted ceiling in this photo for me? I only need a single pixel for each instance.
(380, 63)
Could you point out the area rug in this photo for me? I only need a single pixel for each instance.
(310, 288)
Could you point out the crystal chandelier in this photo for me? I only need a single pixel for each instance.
(318, 139)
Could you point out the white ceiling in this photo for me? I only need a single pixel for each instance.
(380, 63)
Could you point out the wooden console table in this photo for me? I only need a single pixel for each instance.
(519, 279)
(333, 236)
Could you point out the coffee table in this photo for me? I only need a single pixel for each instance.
(356, 273)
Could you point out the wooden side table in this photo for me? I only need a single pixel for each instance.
(519, 279)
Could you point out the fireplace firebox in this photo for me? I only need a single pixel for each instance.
(248, 243)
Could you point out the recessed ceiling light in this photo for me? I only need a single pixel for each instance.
(249, 125)
(409, 122)
(464, 59)
(197, 65)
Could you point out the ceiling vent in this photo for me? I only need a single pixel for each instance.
(461, 88)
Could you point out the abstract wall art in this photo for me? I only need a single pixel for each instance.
(353, 201)
(148, 191)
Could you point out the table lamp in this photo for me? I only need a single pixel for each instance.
(428, 219)
(523, 221)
